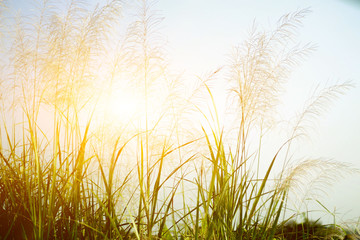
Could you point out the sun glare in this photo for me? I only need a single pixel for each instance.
(121, 105)
(126, 105)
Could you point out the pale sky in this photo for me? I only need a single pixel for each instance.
(201, 33)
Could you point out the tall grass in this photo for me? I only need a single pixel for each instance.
(159, 173)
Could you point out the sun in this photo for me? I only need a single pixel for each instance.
(119, 106)
(127, 106)
(122, 105)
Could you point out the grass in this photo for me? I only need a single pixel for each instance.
(155, 174)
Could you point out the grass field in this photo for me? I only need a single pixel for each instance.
(99, 140)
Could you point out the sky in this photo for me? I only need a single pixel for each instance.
(200, 34)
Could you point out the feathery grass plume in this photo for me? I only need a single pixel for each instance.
(260, 66)
(308, 179)
(316, 105)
